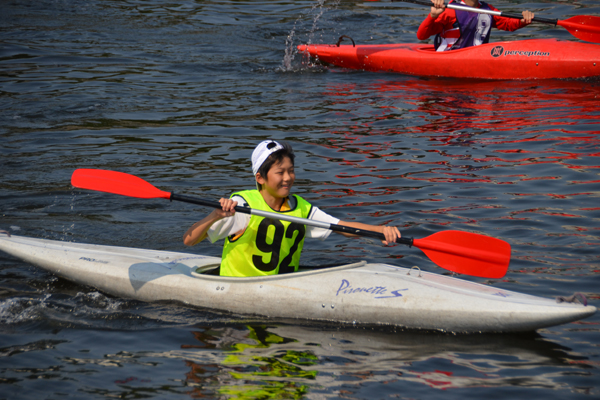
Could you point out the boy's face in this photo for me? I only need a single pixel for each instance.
(279, 180)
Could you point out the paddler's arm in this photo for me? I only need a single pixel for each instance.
(198, 231)
(512, 24)
(437, 8)
(391, 233)
(438, 18)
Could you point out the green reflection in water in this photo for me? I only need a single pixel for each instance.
(267, 377)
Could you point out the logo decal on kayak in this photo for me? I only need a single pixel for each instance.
(379, 292)
(498, 51)
(93, 260)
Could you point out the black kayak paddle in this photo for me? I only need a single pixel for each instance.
(457, 251)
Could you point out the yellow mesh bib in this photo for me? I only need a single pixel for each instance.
(267, 246)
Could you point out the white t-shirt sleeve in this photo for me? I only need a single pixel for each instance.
(320, 233)
(231, 225)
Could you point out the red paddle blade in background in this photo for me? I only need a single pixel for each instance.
(467, 253)
(117, 183)
(584, 27)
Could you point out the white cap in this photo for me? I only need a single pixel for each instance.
(262, 152)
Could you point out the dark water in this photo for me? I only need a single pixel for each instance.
(180, 92)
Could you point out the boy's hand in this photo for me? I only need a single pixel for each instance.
(438, 7)
(527, 17)
(227, 208)
(391, 233)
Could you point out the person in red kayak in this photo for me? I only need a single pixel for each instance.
(457, 29)
(256, 245)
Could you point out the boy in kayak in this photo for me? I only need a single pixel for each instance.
(457, 29)
(262, 246)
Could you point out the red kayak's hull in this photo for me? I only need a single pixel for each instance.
(524, 59)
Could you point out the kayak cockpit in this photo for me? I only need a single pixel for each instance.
(212, 271)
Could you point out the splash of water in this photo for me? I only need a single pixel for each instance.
(317, 11)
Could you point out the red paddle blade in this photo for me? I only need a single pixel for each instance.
(467, 253)
(584, 27)
(116, 182)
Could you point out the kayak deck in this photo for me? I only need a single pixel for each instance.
(523, 59)
(359, 293)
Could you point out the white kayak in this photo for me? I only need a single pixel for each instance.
(359, 293)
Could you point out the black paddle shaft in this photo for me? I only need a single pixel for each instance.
(499, 13)
(303, 221)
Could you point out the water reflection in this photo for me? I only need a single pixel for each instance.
(447, 106)
(283, 361)
(519, 157)
(254, 364)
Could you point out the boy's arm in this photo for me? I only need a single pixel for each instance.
(430, 26)
(198, 231)
(391, 233)
(512, 24)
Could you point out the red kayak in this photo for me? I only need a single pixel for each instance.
(523, 59)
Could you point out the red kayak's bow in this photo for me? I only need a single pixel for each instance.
(524, 59)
